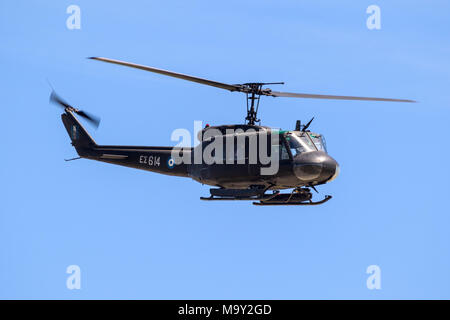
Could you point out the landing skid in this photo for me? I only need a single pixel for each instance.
(298, 197)
(292, 203)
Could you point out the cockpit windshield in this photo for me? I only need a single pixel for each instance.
(305, 142)
(319, 141)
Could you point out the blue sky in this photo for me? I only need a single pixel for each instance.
(141, 235)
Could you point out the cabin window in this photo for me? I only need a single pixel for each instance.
(284, 155)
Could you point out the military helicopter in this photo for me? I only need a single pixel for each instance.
(301, 157)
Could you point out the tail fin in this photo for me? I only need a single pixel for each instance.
(81, 139)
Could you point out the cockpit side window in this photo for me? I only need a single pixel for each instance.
(299, 143)
(309, 141)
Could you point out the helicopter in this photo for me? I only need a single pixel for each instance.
(238, 170)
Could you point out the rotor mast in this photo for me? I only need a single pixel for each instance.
(254, 91)
(252, 100)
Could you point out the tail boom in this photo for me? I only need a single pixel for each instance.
(156, 159)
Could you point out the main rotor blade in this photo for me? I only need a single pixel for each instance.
(246, 88)
(321, 96)
(171, 74)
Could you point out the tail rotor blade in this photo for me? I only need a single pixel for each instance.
(92, 119)
(54, 98)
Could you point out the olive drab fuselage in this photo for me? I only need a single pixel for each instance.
(295, 168)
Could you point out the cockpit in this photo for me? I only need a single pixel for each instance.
(305, 142)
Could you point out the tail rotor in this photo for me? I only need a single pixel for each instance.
(92, 119)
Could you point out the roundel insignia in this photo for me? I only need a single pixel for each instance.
(171, 163)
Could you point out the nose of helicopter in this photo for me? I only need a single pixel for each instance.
(315, 166)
